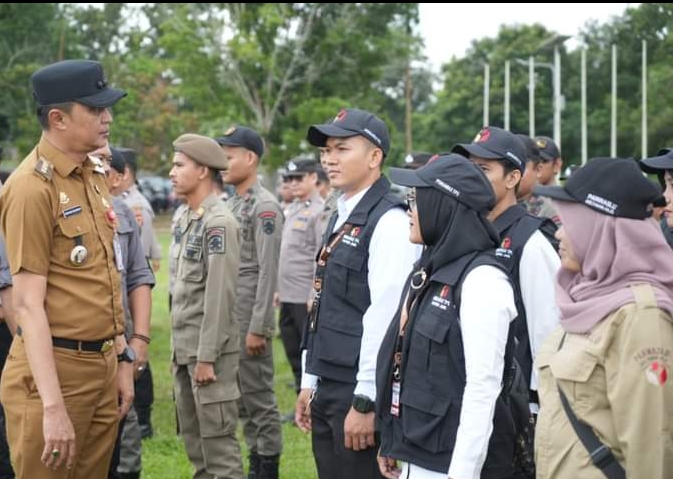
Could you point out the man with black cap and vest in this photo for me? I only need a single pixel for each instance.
(662, 166)
(529, 257)
(206, 243)
(70, 377)
(261, 220)
(365, 257)
(302, 237)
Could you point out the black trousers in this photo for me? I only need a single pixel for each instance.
(330, 405)
(292, 319)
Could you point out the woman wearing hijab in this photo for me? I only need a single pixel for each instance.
(605, 375)
(440, 367)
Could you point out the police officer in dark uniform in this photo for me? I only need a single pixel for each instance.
(62, 388)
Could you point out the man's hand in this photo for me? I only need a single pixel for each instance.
(359, 430)
(255, 345)
(388, 467)
(59, 438)
(156, 264)
(276, 300)
(140, 348)
(302, 409)
(125, 387)
(204, 373)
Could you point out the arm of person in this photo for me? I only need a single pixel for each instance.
(221, 249)
(484, 328)
(30, 292)
(139, 281)
(537, 277)
(268, 230)
(386, 280)
(638, 370)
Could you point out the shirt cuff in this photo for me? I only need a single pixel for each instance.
(206, 355)
(309, 381)
(368, 388)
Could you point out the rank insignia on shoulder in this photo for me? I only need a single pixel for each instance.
(215, 240)
(44, 168)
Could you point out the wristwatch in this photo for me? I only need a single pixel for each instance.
(127, 355)
(363, 404)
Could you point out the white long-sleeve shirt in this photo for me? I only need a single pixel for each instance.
(391, 257)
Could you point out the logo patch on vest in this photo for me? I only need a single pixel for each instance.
(505, 250)
(351, 239)
(440, 299)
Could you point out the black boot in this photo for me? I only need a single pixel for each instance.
(268, 467)
(253, 471)
(130, 475)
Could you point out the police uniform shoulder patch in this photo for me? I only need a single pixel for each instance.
(44, 168)
(215, 240)
(268, 221)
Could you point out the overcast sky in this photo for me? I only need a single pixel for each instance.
(449, 28)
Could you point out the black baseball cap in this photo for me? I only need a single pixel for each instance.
(453, 175)
(532, 153)
(351, 122)
(81, 81)
(658, 164)
(416, 160)
(547, 148)
(300, 167)
(493, 143)
(243, 136)
(117, 161)
(612, 186)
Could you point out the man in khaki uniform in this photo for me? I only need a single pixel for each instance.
(206, 246)
(261, 220)
(302, 238)
(60, 384)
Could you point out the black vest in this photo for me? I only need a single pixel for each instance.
(515, 227)
(433, 380)
(333, 341)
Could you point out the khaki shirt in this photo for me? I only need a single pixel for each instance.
(261, 219)
(302, 238)
(206, 247)
(135, 200)
(48, 206)
(329, 207)
(618, 380)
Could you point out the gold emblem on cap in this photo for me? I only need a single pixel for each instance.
(63, 198)
(230, 131)
(541, 143)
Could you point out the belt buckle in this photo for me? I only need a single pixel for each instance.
(107, 345)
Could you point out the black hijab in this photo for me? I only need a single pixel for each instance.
(449, 229)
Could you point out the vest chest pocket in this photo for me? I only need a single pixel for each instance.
(69, 233)
(429, 354)
(350, 276)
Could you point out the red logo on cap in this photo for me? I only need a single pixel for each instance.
(340, 116)
(482, 136)
(432, 158)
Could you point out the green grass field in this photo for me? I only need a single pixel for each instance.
(164, 455)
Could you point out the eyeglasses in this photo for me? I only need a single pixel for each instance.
(411, 200)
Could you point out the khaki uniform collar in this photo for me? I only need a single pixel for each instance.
(63, 165)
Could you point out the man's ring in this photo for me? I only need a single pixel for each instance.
(55, 453)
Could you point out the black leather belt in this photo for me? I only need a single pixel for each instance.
(101, 345)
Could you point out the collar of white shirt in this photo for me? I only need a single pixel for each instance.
(345, 206)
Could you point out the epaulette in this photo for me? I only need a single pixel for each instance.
(44, 168)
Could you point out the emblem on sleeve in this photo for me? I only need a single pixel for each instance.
(268, 221)
(656, 373)
(215, 240)
(654, 361)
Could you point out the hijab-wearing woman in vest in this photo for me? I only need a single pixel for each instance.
(440, 367)
(612, 357)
